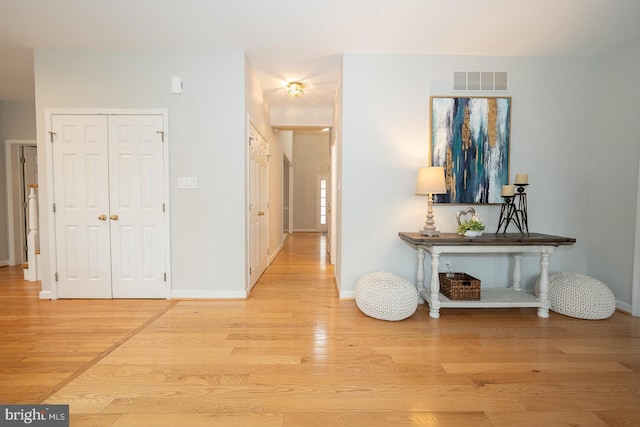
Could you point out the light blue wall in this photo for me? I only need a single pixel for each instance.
(4, 230)
(207, 125)
(17, 121)
(614, 180)
(385, 139)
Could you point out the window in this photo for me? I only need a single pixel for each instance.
(323, 201)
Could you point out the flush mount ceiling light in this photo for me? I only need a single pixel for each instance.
(295, 89)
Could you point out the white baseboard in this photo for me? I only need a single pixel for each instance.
(347, 294)
(45, 295)
(623, 306)
(304, 230)
(4, 263)
(185, 295)
(343, 294)
(192, 294)
(275, 254)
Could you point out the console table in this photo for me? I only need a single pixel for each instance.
(511, 243)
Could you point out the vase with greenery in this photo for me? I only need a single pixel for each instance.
(474, 225)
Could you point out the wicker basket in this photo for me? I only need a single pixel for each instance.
(460, 287)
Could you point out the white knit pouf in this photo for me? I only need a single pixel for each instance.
(580, 296)
(386, 296)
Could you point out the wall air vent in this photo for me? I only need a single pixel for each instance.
(480, 80)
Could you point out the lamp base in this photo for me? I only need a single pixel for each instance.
(430, 233)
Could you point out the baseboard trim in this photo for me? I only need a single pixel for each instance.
(348, 295)
(4, 263)
(343, 294)
(179, 294)
(45, 295)
(275, 253)
(623, 306)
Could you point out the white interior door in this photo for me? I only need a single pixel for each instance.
(81, 200)
(258, 205)
(109, 198)
(136, 213)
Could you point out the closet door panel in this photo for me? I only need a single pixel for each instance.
(81, 200)
(137, 201)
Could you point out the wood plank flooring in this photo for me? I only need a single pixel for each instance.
(294, 354)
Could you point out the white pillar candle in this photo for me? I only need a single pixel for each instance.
(507, 190)
(522, 178)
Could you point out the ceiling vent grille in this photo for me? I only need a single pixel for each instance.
(480, 80)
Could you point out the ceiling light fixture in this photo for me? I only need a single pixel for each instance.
(295, 89)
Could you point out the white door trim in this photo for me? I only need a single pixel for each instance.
(334, 203)
(52, 256)
(288, 166)
(635, 281)
(11, 188)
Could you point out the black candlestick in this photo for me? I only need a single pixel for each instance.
(508, 213)
(522, 207)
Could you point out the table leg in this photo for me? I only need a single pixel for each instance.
(543, 284)
(434, 291)
(516, 272)
(420, 275)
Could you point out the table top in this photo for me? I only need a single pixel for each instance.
(487, 239)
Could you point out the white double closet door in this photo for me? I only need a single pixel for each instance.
(109, 202)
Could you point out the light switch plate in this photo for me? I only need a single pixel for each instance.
(176, 84)
(188, 182)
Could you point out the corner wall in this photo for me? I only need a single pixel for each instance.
(17, 121)
(614, 183)
(4, 220)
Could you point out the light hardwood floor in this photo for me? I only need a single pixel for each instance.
(293, 354)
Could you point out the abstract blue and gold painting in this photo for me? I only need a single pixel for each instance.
(470, 138)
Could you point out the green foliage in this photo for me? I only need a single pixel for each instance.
(472, 224)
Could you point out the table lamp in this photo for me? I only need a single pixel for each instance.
(430, 181)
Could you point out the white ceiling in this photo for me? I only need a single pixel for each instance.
(303, 40)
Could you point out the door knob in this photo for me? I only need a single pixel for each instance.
(102, 217)
(114, 217)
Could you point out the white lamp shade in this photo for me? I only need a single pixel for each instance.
(431, 181)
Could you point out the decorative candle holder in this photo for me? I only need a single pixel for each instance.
(521, 210)
(508, 214)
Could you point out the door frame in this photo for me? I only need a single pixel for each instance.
(13, 211)
(52, 258)
(635, 278)
(334, 203)
(288, 184)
